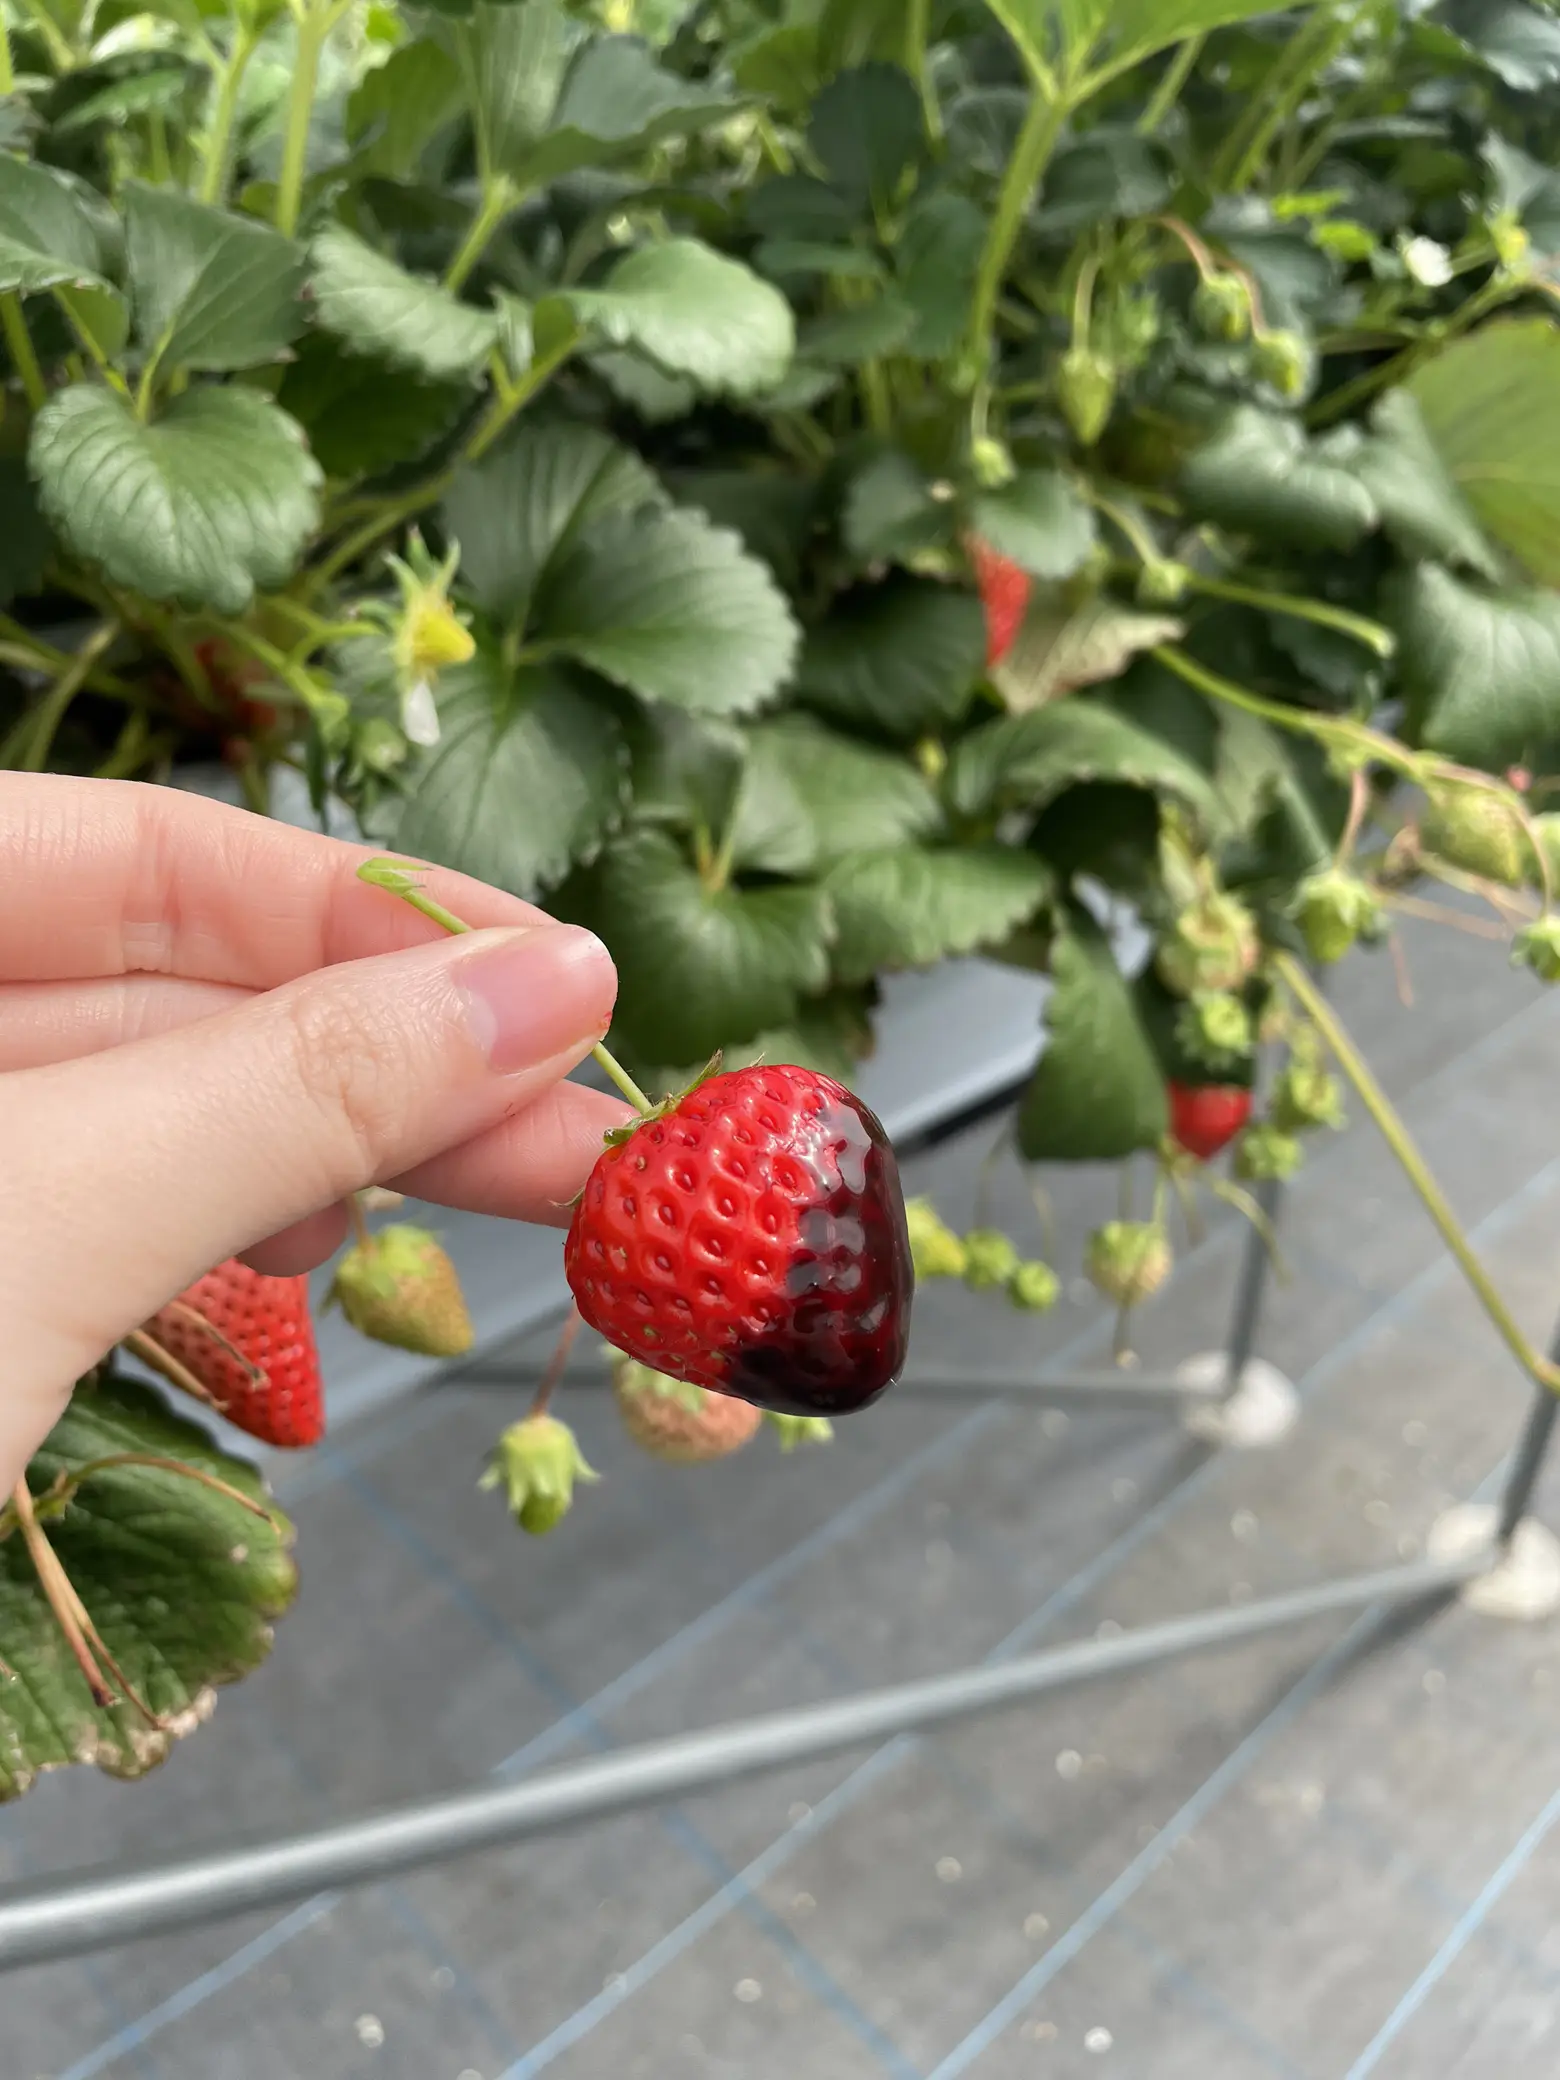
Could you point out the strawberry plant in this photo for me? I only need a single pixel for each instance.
(807, 488)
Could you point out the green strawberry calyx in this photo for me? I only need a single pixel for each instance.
(537, 1462)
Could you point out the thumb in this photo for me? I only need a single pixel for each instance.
(132, 1172)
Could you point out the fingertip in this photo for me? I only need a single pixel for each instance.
(303, 1247)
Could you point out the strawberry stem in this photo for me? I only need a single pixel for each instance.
(152, 1353)
(61, 1597)
(182, 1469)
(198, 1322)
(360, 1234)
(391, 876)
(1398, 1139)
(557, 1364)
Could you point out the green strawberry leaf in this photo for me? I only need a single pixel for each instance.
(1519, 44)
(1097, 1094)
(830, 1034)
(25, 543)
(1040, 522)
(701, 968)
(1067, 642)
(1023, 761)
(868, 132)
(1259, 475)
(396, 110)
(1481, 669)
(377, 308)
(937, 256)
(517, 509)
(46, 238)
(181, 1581)
(1417, 496)
(614, 102)
(528, 777)
(888, 510)
(908, 907)
(901, 657)
(863, 332)
(809, 795)
(208, 502)
(1491, 408)
(212, 290)
(363, 417)
(695, 313)
(1135, 28)
(672, 609)
(686, 768)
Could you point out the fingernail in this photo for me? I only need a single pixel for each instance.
(534, 994)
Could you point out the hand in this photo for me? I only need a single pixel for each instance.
(212, 1033)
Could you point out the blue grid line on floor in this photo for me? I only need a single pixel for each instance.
(1079, 1585)
(1284, 1714)
(976, 2042)
(675, 1824)
(1467, 1927)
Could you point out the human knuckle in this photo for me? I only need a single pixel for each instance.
(350, 1065)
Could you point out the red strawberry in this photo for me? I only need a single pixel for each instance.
(256, 1326)
(1004, 593)
(749, 1237)
(1206, 1117)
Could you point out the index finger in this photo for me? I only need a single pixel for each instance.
(121, 877)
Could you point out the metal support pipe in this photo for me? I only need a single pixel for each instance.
(1529, 1462)
(1256, 1264)
(65, 1916)
(1121, 1389)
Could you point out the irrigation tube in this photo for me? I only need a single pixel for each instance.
(65, 1916)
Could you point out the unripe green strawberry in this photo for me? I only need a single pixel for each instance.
(1334, 908)
(1546, 834)
(799, 1430)
(992, 463)
(1128, 327)
(1538, 948)
(1086, 392)
(399, 1287)
(537, 1463)
(1034, 1288)
(1163, 582)
(1212, 945)
(1216, 1023)
(1266, 1155)
(1129, 1260)
(989, 1259)
(1306, 1095)
(935, 1250)
(1478, 830)
(1221, 307)
(682, 1424)
(1283, 360)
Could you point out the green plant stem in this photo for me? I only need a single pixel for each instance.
(498, 199)
(1370, 633)
(398, 880)
(19, 344)
(1036, 141)
(219, 141)
(7, 70)
(1353, 739)
(1308, 53)
(1398, 1139)
(316, 18)
(1337, 402)
(918, 22)
(51, 712)
(1168, 91)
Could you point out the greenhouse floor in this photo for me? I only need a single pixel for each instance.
(1325, 1854)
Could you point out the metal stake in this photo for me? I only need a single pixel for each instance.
(1529, 1462)
(1252, 1289)
(64, 1917)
